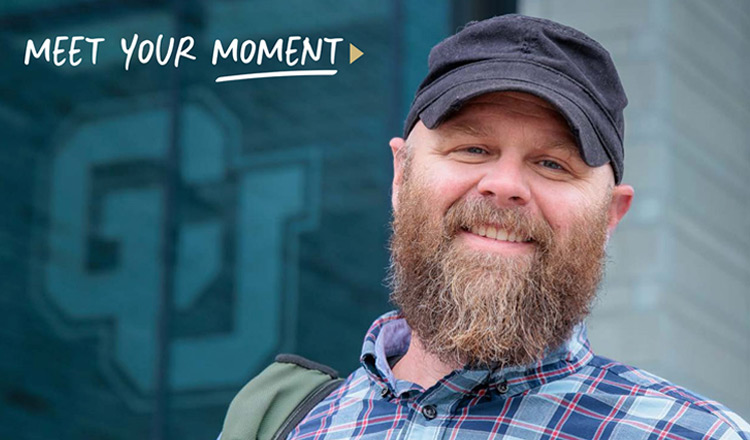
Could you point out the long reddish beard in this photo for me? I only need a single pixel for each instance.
(476, 308)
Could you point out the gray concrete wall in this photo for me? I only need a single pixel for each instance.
(676, 299)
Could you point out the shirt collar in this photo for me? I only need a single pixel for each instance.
(390, 336)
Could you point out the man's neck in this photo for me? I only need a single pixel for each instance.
(421, 367)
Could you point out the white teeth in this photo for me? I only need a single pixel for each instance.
(491, 232)
(497, 234)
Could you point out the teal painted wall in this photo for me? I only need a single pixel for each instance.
(277, 224)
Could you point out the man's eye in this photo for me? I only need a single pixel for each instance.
(551, 164)
(475, 150)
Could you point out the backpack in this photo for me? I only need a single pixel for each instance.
(271, 405)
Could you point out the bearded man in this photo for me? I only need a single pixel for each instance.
(507, 185)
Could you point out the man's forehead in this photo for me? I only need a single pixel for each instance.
(465, 120)
(516, 102)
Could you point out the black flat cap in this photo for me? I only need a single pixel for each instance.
(518, 53)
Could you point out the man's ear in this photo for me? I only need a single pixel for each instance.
(398, 146)
(622, 197)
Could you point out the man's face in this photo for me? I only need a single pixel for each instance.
(499, 230)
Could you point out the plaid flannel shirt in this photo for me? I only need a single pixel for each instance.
(571, 394)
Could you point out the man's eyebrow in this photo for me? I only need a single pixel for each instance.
(566, 145)
(481, 130)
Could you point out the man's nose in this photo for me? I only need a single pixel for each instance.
(506, 183)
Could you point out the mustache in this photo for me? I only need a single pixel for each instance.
(467, 213)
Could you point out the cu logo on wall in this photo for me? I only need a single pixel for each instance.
(240, 217)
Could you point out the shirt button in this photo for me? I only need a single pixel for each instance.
(385, 392)
(502, 387)
(429, 412)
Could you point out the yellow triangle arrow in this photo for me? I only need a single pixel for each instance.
(354, 53)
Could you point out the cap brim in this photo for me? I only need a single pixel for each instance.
(445, 96)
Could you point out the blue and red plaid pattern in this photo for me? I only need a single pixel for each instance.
(571, 394)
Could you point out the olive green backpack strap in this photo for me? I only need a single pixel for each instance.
(271, 405)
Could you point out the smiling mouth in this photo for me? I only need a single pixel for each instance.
(496, 233)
